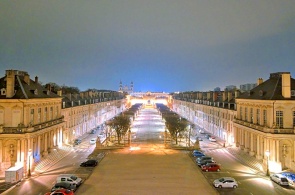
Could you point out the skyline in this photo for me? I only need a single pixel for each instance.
(162, 45)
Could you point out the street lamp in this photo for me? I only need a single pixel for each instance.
(29, 170)
(267, 153)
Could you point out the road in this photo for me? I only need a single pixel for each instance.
(147, 167)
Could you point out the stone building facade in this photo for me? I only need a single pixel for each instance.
(34, 120)
(258, 122)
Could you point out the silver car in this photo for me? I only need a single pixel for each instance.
(225, 182)
(279, 179)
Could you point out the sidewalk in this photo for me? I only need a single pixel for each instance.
(44, 164)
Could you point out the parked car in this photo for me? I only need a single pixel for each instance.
(198, 154)
(225, 182)
(212, 139)
(199, 138)
(279, 179)
(290, 176)
(92, 141)
(204, 158)
(210, 167)
(89, 163)
(69, 178)
(61, 192)
(204, 162)
(93, 131)
(64, 185)
(207, 136)
(77, 141)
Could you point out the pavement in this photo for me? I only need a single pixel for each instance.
(61, 152)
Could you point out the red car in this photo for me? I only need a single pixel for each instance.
(61, 192)
(211, 167)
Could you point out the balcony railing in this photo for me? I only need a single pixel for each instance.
(264, 128)
(33, 128)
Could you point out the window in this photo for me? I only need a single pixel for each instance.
(241, 113)
(32, 117)
(39, 115)
(246, 114)
(293, 118)
(251, 115)
(51, 113)
(45, 114)
(279, 119)
(258, 116)
(264, 117)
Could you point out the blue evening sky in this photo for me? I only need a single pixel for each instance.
(160, 45)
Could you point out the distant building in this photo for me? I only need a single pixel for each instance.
(126, 89)
(247, 87)
(216, 89)
(230, 88)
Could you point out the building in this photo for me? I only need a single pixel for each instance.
(31, 123)
(230, 88)
(260, 122)
(126, 89)
(35, 120)
(248, 86)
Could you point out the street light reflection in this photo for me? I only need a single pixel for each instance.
(132, 148)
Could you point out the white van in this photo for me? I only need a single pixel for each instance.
(69, 178)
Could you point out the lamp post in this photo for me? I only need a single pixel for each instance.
(267, 153)
(29, 170)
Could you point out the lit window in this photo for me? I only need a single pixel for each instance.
(258, 116)
(279, 119)
(251, 115)
(293, 118)
(264, 117)
(246, 114)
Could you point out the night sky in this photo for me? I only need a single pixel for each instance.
(160, 45)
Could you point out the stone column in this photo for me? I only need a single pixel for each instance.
(18, 151)
(252, 152)
(38, 145)
(45, 152)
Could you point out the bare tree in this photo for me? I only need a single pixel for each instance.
(121, 124)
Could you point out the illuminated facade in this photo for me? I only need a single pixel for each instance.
(34, 120)
(257, 121)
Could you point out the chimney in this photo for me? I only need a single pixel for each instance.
(229, 96)
(48, 87)
(259, 81)
(208, 95)
(224, 96)
(59, 92)
(286, 85)
(27, 78)
(215, 96)
(36, 80)
(237, 93)
(10, 81)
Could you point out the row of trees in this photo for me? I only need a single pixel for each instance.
(176, 125)
(122, 123)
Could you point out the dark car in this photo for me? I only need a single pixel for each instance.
(198, 154)
(204, 162)
(93, 131)
(77, 141)
(63, 185)
(89, 163)
(204, 158)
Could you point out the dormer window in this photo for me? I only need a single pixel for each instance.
(36, 91)
(261, 93)
(3, 91)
